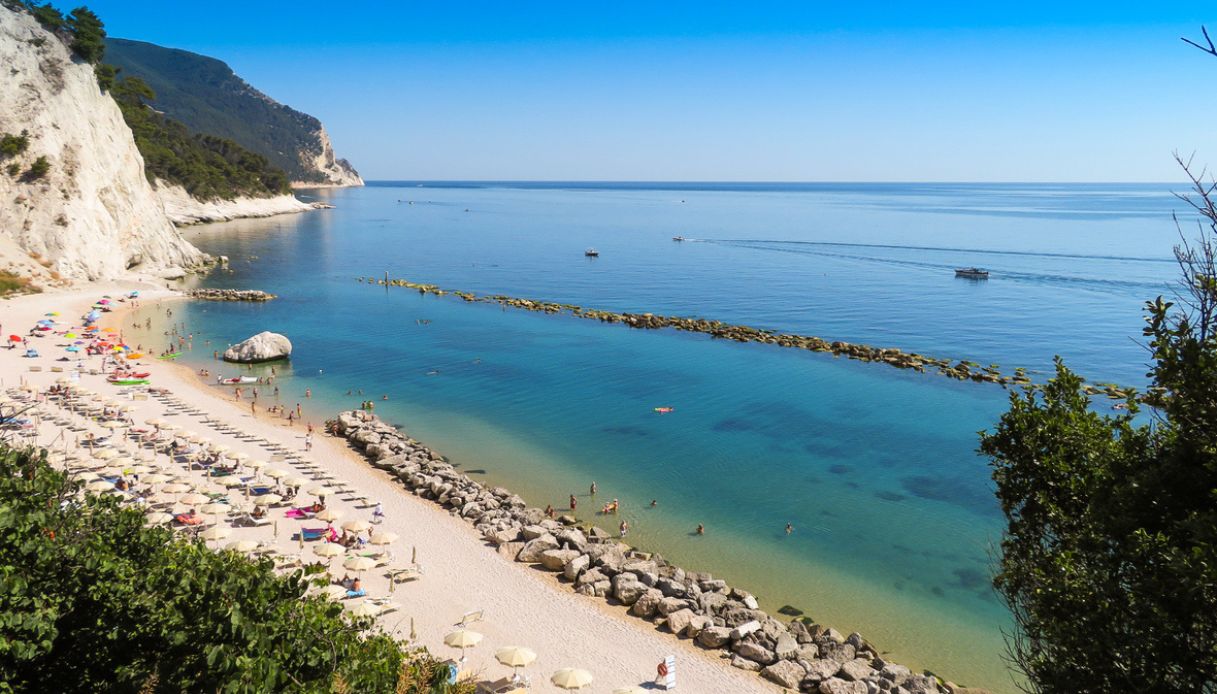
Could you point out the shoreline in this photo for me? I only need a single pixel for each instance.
(586, 631)
(753, 648)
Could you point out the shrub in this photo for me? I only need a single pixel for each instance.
(13, 169)
(37, 170)
(12, 145)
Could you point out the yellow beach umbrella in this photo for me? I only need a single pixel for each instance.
(158, 518)
(359, 564)
(462, 639)
(321, 491)
(217, 532)
(294, 481)
(105, 453)
(365, 610)
(383, 538)
(194, 498)
(276, 473)
(329, 515)
(268, 500)
(242, 546)
(571, 678)
(329, 550)
(515, 656)
(356, 526)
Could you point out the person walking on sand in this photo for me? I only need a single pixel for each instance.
(378, 513)
(290, 417)
(253, 407)
(308, 442)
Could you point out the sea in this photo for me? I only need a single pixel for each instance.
(894, 523)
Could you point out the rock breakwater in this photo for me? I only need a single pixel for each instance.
(958, 369)
(798, 655)
(230, 295)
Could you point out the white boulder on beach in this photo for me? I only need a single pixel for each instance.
(265, 346)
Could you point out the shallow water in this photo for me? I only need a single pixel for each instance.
(875, 467)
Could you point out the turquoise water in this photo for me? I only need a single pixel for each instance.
(875, 467)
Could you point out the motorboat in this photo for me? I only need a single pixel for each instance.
(678, 238)
(236, 380)
(974, 273)
(592, 253)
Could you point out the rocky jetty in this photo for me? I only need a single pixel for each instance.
(265, 346)
(957, 369)
(799, 655)
(230, 295)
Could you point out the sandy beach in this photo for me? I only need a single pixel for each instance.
(461, 574)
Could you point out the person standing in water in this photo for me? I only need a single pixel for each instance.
(593, 487)
(624, 528)
(789, 528)
(573, 502)
(701, 529)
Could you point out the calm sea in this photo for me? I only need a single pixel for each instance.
(875, 467)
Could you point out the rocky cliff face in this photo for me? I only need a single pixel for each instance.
(208, 97)
(93, 215)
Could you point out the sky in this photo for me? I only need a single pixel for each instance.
(710, 91)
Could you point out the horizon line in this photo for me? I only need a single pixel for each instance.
(752, 182)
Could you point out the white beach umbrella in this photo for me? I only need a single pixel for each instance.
(217, 532)
(256, 464)
(321, 491)
(515, 656)
(232, 481)
(105, 453)
(333, 592)
(242, 546)
(383, 538)
(158, 518)
(194, 498)
(99, 486)
(169, 426)
(365, 610)
(356, 526)
(571, 678)
(276, 473)
(241, 456)
(462, 639)
(157, 478)
(294, 481)
(221, 448)
(268, 500)
(176, 488)
(329, 550)
(359, 564)
(214, 509)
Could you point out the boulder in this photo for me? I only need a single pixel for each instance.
(590, 576)
(714, 637)
(754, 652)
(856, 669)
(745, 664)
(838, 686)
(669, 605)
(787, 647)
(921, 684)
(822, 669)
(575, 566)
(265, 346)
(510, 550)
(556, 559)
(744, 629)
(533, 549)
(647, 603)
(679, 620)
(627, 589)
(784, 673)
(697, 625)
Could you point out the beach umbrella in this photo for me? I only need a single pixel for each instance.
(365, 610)
(157, 478)
(217, 532)
(241, 456)
(242, 546)
(256, 464)
(320, 491)
(215, 509)
(268, 500)
(194, 498)
(571, 678)
(169, 426)
(294, 481)
(359, 564)
(175, 488)
(630, 690)
(154, 422)
(356, 526)
(232, 481)
(122, 461)
(276, 473)
(219, 449)
(329, 550)
(158, 518)
(334, 592)
(99, 486)
(87, 476)
(462, 639)
(105, 453)
(515, 656)
(329, 515)
(383, 538)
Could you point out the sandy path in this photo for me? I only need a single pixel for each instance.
(522, 606)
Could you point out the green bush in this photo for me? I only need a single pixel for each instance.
(37, 170)
(93, 600)
(13, 169)
(12, 145)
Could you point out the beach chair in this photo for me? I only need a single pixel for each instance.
(314, 533)
(470, 617)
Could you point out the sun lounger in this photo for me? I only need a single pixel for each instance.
(357, 593)
(314, 533)
(469, 618)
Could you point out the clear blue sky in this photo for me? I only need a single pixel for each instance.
(797, 91)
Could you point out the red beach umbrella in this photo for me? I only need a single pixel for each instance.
(14, 338)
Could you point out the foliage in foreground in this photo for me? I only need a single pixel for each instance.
(92, 600)
(1109, 562)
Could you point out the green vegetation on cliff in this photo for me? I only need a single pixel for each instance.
(207, 96)
(207, 167)
(93, 600)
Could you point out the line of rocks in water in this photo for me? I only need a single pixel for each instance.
(799, 655)
(957, 369)
(210, 294)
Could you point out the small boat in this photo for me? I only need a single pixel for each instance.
(123, 381)
(172, 355)
(972, 273)
(236, 380)
(139, 374)
(135, 355)
(678, 238)
(665, 410)
(592, 253)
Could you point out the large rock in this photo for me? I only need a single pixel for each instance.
(679, 620)
(837, 686)
(754, 652)
(856, 670)
(714, 637)
(647, 603)
(533, 549)
(787, 647)
(784, 673)
(822, 669)
(627, 589)
(556, 559)
(265, 346)
(575, 566)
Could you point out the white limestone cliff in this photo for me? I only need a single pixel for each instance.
(338, 172)
(184, 210)
(93, 215)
